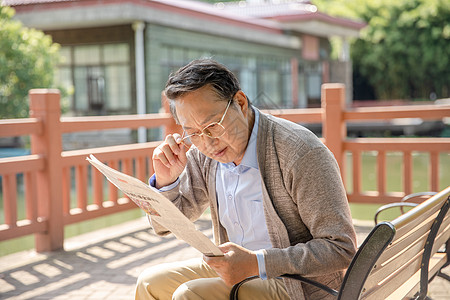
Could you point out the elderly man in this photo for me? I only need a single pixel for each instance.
(277, 201)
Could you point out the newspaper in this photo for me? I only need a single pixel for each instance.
(160, 209)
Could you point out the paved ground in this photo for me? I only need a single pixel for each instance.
(105, 264)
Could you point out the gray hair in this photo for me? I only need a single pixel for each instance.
(197, 74)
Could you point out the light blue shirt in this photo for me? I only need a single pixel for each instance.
(239, 198)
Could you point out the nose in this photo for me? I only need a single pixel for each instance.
(210, 140)
(210, 143)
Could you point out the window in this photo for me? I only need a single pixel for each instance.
(270, 88)
(265, 79)
(313, 76)
(99, 76)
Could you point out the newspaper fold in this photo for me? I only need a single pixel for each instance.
(160, 209)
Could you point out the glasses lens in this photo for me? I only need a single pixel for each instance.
(214, 130)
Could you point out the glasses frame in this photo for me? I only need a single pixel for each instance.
(184, 137)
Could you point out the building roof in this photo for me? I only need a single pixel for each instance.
(182, 14)
(297, 15)
(236, 19)
(268, 9)
(183, 7)
(27, 2)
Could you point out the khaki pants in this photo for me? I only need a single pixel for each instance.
(194, 279)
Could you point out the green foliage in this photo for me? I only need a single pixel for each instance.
(27, 60)
(404, 52)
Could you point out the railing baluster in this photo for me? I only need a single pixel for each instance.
(10, 195)
(357, 172)
(81, 179)
(127, 166)
(112, 190)
(407, 172)
(66, 189)
(97, 187)
(381, 172)
(434, 171)
(30, 196)
(140, 168)
(150, 165)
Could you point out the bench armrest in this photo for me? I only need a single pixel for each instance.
(404, 202)
(392, 205)
(319, 285)
(235, 289)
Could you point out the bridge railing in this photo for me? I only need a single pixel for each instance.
(60, 188)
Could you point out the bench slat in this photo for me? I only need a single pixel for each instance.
(403, 255)
(440, 240)
(411, 286)
(379, 274)
(407, 240)
(390, 284)
(403, 258)
(421, 216)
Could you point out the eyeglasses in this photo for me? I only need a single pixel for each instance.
(213, 130)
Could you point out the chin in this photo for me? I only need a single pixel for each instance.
(224, 159)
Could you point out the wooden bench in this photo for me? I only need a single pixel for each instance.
(399, 258)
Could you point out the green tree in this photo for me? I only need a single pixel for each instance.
(404, 52)
(27, 60)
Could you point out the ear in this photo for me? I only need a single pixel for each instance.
(241, 100)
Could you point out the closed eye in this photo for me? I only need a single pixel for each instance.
(193, 133)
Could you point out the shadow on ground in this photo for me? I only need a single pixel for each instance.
(103, 270)
(107, 268)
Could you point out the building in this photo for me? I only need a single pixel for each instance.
(118, 54)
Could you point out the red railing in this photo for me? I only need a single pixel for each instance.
(382, 146)
(49, 172)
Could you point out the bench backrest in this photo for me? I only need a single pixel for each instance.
(397, 258)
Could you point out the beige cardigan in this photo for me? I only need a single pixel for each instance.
(305, 205)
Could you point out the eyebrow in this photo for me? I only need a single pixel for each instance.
(205, 122)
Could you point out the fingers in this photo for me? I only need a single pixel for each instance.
(174, 142)
(169, 160)
(221, 262)
(226, 247)
(210, 260)
(237, 264)
(169, 151)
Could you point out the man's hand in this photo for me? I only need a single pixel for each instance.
(169, 160)
(237, 263)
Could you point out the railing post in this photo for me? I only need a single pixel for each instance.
(334, 129)
(45, 105)
(172, 127)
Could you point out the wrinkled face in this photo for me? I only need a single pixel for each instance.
(199, 108)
